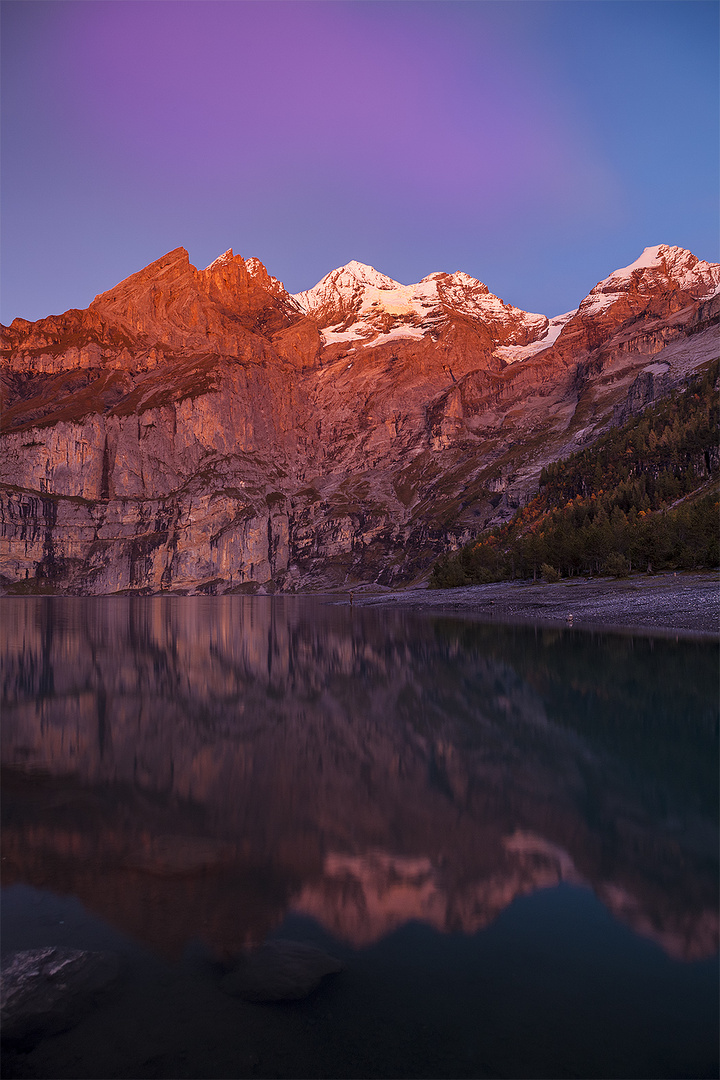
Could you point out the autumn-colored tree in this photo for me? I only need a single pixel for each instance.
(613, 504)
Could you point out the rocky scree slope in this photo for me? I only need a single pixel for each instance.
(207, 431)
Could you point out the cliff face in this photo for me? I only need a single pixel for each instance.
(204, 430)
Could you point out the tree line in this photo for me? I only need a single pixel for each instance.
(644, 497)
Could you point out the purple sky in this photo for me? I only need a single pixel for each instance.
(537, 146)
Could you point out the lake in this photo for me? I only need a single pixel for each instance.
(507, 835)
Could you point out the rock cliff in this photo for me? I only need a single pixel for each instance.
(207, 431)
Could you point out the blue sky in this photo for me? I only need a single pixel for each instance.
(537, 146)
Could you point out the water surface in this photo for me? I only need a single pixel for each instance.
(508, 835)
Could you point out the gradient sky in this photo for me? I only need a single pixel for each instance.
(536, 145)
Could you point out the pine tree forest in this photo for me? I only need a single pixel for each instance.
(645, 497)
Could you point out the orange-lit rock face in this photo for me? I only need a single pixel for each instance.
(199, 430)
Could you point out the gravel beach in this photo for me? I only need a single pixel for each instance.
(686, 604)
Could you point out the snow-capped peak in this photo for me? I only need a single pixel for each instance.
(658, 266)
(651, 256)
(343, 288)
(365, 274)
(356, 302)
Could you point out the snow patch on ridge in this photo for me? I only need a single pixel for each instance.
(254, 266)
(511, 354)
(364, 335)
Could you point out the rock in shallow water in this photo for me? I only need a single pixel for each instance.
(48, 990)
(280, 971)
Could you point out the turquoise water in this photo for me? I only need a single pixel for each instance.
(508, 835)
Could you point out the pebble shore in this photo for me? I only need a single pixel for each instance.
(686, 604)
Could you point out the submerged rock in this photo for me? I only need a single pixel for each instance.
(44, 991)
(280, 971)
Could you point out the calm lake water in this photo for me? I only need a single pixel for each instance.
(508, 835)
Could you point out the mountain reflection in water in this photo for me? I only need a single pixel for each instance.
(198, 768)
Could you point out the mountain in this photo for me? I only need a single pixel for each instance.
(356, 304)
(207, 431)
(644, 495)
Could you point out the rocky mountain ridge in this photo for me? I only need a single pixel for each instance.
(207, 431)
(355, 304)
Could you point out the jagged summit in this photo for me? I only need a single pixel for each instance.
(227, 256)
(660, 267)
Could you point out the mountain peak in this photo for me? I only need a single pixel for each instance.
(344, 291)
(654, 257)
(256, 268)
(226, 257)
(366, 274)
(662, 265)
(350, 277)
(356, 302)
(171, 273)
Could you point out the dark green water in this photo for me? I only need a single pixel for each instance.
(509, 836)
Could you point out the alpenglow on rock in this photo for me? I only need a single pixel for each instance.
(205, 431)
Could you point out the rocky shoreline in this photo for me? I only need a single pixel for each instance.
(686, 604)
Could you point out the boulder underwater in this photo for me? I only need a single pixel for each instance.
(279, 970)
